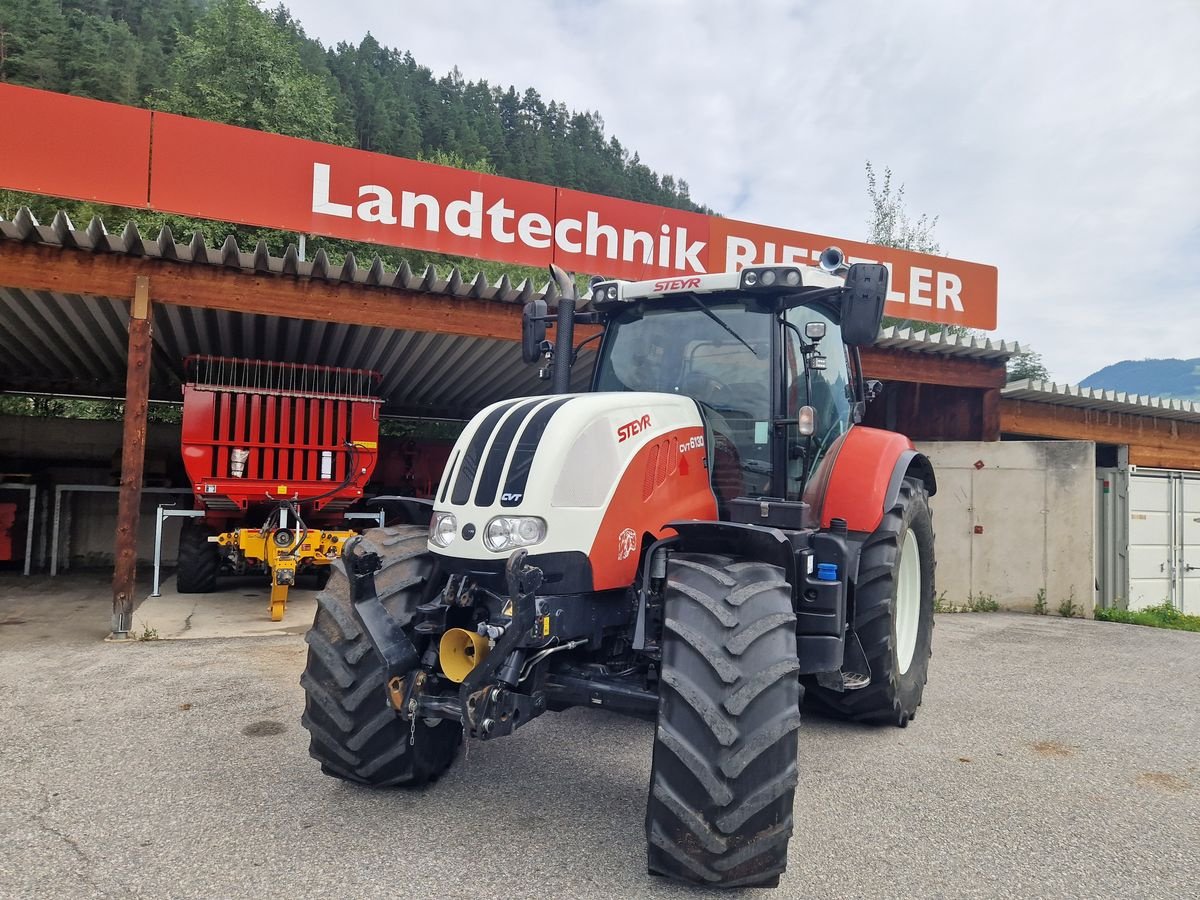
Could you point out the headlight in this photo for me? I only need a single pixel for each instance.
(442, 529)
(510, 532)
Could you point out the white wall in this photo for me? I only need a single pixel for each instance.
(1014, 517)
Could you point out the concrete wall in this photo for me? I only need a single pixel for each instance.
(1013, 518)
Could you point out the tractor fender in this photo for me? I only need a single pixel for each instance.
(859, 480)
(769, 545)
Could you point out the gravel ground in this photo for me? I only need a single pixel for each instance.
(1051, 759)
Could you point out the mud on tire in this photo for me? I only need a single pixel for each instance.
(724, 771)
(353, 732)
(895, 690)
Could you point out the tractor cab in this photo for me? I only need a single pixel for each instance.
(768, 353)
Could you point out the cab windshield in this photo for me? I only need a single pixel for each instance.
(722, 360)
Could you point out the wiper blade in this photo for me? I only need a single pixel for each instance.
(712, 315)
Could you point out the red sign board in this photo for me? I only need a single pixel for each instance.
(116, 154)
(73, 147)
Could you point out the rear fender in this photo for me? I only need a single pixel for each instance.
(860, 478)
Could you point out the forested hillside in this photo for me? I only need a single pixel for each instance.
(232, 61)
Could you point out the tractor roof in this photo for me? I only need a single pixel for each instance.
(759, 279)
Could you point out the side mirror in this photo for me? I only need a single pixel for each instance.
(862, 303)
(533, 330)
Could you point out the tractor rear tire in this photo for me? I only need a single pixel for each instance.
(724, 773)
(198, 561)
(354, 733)
(893, 616)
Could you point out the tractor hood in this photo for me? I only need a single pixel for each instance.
(590, 474)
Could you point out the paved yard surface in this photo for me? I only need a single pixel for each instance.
(1051, 759)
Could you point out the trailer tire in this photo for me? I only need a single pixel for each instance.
(894, 625)
(724, 772)
(198, 561)
(353, 731)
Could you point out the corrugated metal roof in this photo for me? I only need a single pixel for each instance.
(65, 343)
(918, 340)
(1107, 401)
(96, 238)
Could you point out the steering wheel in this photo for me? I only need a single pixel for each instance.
(705, 388)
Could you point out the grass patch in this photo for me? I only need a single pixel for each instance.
(1162, 616)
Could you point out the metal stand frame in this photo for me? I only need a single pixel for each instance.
(32, 489)
(165, 512)
(61, 489)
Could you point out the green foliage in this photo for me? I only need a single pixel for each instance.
(243, 67)
(890, 225)
(43, 407)
(422, 429)
(1068, 608)
(1039, 605)
(1162, 616)
(975, 603)
(982, 603)
(1027, 364)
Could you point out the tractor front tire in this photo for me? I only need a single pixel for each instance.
(893, 616)
(198, 561)
(354, 733)
(724, 773)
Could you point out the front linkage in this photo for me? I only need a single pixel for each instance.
(492, 699)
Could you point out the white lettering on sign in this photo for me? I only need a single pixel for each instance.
(469, 218)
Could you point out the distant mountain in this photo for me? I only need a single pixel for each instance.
(1157, 377)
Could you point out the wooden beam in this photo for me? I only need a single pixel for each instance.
(990, 415)
(133, 456)
(46, 268)
(931, 368)
(1152, 440)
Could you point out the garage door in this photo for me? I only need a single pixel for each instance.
(1164, 540)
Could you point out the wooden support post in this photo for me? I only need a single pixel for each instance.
(990, 408)
(133, 456)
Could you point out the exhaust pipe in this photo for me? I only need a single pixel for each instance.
(461, 651)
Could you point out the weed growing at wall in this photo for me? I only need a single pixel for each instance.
(1068, 608)
(1039, 605)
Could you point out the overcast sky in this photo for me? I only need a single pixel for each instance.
(1058, 141)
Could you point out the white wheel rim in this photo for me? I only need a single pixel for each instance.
(908, 601)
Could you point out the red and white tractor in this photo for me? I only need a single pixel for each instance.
(701, 540)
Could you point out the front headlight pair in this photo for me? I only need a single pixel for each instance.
(501, 533)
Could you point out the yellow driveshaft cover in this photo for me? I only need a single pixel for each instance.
(461, 651)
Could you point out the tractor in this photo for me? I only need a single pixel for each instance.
(705, 539)
(276, 453)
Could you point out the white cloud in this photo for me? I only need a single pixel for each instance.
(1057, 141)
